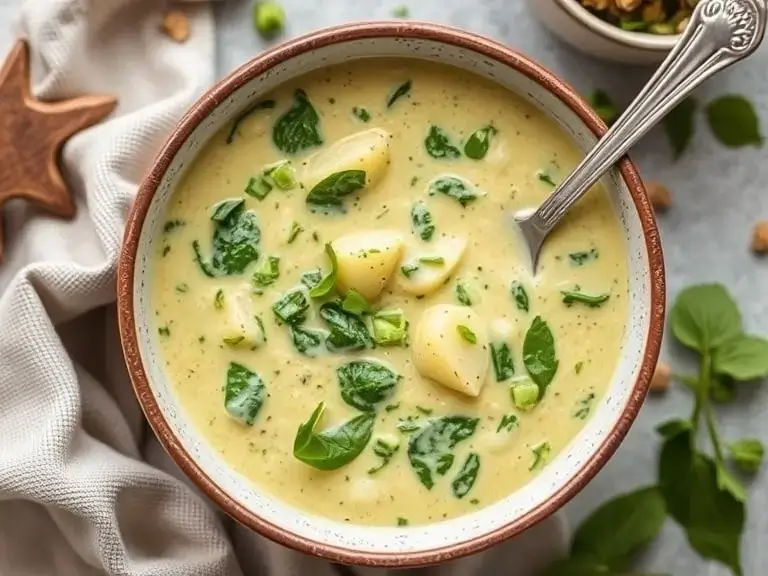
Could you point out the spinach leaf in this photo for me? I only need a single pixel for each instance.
(503, 364)
(540, 454)
(618, 528)
(466, 334)
(712, 518)
(299, 127)
(267, 274)
(312, 278)
(236, 238)
(334, 447)
(292, 308)
(330, 191)
(430, 449)
(678, 126)
(218, 299)
(384, 449)
(453, 187)
(307, 342)
(399, 92)
(546, 177)
(408, 270)
(521, 296)
(747, 454)
(355, 304)
(742, 358)
(478, 143)
(347, 331)
(508, 423)
(408, 424)
(365, 384)
(261, 105)
(244, 393)
(581, 258)
(390, 327)
(584, 407)
(421, 218)
(576, 295)
(734, 122)
(705, 317)
(324, 286)
(438, 144)
(466, 477)
(539, 354)
(361, 114)
(172, 225)
(224, 209)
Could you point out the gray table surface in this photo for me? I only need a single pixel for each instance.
(718, 195)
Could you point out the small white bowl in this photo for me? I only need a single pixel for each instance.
(571, 22)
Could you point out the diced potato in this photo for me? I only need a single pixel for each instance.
(367, 260)
(367, 150)
(242, 327)
(428, 277)
(441, 353)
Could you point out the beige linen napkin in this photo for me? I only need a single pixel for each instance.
(84, 487)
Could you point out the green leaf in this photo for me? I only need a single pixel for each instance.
(421, 219)
(385, 450)
(584, 406)
(712, 518)
(365, 384)
(722, 390)
(508, 423)
(742, 358)
(478, 143)
(604, 106)
(407, 270)
(540, 454)
(466, 334)
(672, 428)
(678, 126)
(430, 448)
(401, 91)
(466, 477)
(520, 296)
(325, 286)
(296, 229)
(727, 482)
(268, 273)
(539, 356)
(438, 144)
(307, 342)
(330, 191)
(291, 308)
(704, 317)
(244, 393)
(236, 238)
(312, 278)
(503, 364)
(583, 257)
(347, 331)
(262, 105)
(462, 295)
(299, 127)
(361, 114)
(576, 295)
(334, 447)
(748, 454)
(620, 527)
(453, 187)
(354, 303)
(226, 208)
(390, 327)
(734, 121)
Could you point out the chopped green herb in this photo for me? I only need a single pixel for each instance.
(268, 18)
(592, 300)
(390, 328)
(385, 449)
(438, 144)
(182, 288)
(581, 258)
(503, 364)
(218, 300)
(408, 424)
(525, 394)
(400, 92)
(421, 219)
(423, 410)
(578, 367)
(466, 334)
(402, 521)
(296, 229)
(540, 454)
(508, 423)
(633, 25)
(325, 286)
(462, 295)
(401, 11)
(546, 177)
(432, 260)
(391, 407)
(307, 342)
(171, 225)
(430, 448)
(244, 393)
(539, 355)
(604, 106)
(166, 250)
(521, 296)
(266, 274)
(408, 269)
(361, 114)
(466, 477)
(233, 340)
(164, 331)
(354, 303)
(347, 331)
(584, 407)
(261, 105)
(330, 192)
(298, 129)
(455, 188)
(478, 143)
(291, 308)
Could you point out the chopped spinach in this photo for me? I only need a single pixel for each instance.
(390, 327)
(299, 127)
(408, 269)
(391, 407)
(326, 284)
(361, 114)
(233, 340)
(424, 410)
(218, 300)
(224, 209)
(307, 342)
(540, 454)
(385, 450)
(164, 331)
(478, 143)
(258, 187)
(584, 256)
(401, 91)
(330, 192)
(261, 105)
(539, 354)
(171, 225)
(279, 175)
(462, 295)
(291, 308)
(333, 447)
(421, 219)
(408, 424)
(244, 394)
(503, 364)
(354, 303)
(466, 334)
(312, 278)
(584, 407)
(546, 177)
(236, 238)
(576, 295)
(296, 229)
(402, 521)
(508, 423)
(430, 449)
(453, 187)
(365, 384)
(438, 144)
(521, 296)
(182, 288)
(266, 274)
(466, 477)
(578, 367)
(347, 331)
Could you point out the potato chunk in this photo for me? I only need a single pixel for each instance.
(367, 260)
(443, 352)
(242, 327)
(367, 150)
(427, 270)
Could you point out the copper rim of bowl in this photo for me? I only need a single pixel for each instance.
(638, 40)
(201, 109)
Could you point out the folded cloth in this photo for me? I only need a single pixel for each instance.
(84, 487)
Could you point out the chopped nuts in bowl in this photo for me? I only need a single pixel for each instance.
(664, 17)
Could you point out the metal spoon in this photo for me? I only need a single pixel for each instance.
(720, 33)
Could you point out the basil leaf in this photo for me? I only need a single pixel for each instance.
(620, 527)
(539, 355)
(704, 317)
(329, 192)
(438, 144)
(421, 218)
(429, 449)
(325, 286)
(742, 358)
(403, 90)
(236, 237)
(466, 477)
(453, 187)
(581, 258)
(479, 142)
(592, 300)
(385, 450)
(678, 126)
(712, 518)
(244, 393)
(734, 122)
(347, 331)
(226, 208)
(334, 447)
(748, 454)
(508, 423)
(267, 274)
(390, 327)
(261, 105)
(355, 304)
(291, 308)
(503, 364)
(299, 127)
(520, 296)
(361, 114)
(466, 334)
(604, 106)
(307, 342)
(365, 384)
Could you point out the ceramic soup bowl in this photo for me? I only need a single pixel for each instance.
(565, 476)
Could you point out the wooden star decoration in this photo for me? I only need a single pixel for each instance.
(32, 134)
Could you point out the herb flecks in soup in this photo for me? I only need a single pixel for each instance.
(346, 314)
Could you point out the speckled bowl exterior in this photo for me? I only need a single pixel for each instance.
(568, 20)
(564, 477)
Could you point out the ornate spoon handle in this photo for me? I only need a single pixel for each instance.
(720, 33)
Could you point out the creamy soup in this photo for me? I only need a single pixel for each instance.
(346, 313)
